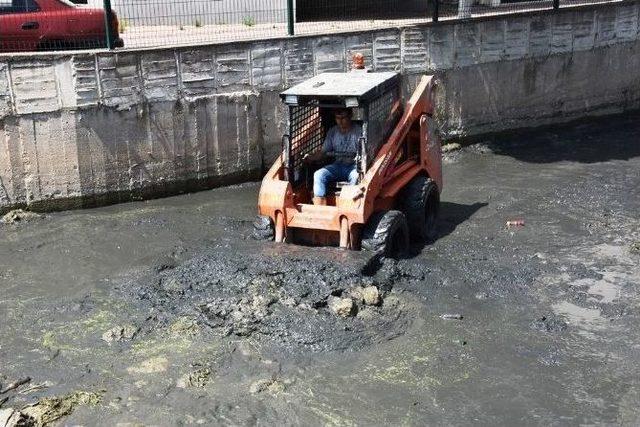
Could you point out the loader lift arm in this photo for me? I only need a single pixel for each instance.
(385, 174)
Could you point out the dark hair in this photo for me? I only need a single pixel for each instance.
(348, 111)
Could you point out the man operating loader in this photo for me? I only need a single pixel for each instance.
(388, 153)
(341, 144)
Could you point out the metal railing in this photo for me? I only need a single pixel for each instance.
(27, 25)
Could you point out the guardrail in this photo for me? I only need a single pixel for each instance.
(28, 25)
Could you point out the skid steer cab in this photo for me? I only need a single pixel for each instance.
(397, 160)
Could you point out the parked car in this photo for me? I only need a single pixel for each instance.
(27, 25)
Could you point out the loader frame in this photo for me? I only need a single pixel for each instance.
(412, 148)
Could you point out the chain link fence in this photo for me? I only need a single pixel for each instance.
(28, 25)
(463, 9)
(145, 23)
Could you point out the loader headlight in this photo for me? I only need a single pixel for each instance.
(291, 100)
(351, 102)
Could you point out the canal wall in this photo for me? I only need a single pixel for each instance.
(83, 129)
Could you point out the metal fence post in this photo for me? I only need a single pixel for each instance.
(290, 18)
(108, 17)
(436, 12)
(556, 4)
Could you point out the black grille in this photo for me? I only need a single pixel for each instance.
(381, 121)
(306, 133)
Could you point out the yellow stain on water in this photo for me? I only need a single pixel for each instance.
(50, 409)
(99, 322)
(159, 346)
(401, 374)
(422, 362)
(184, 326)
(390, 374)
(326, 414)
(63, 337)
(137, 212)
(175, 344)
(330, 418)
(417, 366)
(51, 342)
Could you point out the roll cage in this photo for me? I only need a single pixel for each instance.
(373, 98)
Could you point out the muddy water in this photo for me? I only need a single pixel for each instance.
(213, 328)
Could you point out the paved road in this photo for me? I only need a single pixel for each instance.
(168, 23)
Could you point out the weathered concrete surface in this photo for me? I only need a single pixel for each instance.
(81, 159)
(538, 91)
(550, 323)
(91, 128)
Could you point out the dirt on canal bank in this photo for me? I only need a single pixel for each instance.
(166, 312)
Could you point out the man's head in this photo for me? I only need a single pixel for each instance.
(343, 118)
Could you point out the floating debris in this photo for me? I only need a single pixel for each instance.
(15, 384)
(454, 316)
(272, 385)
(19, 215)
(198, 378)
(150, 366)
(515, 223)
(36, 387)
(549, 324)
(51, 409)
(454, 146)
(11, 418)
(343, 307)
(371, 296)
(120, 333)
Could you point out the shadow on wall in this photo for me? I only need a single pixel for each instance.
(586, 141)
(4, 195)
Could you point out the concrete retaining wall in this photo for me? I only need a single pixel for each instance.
(90, 128)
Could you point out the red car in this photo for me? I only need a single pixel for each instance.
(27, 25)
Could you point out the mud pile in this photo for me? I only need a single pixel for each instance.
(282, 294)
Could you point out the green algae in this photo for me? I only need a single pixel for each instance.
(68, 337)
(51, 409)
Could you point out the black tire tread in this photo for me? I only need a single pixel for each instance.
(263, 228)
(412, 201)
(378, 233)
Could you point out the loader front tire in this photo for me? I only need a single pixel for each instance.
(420, 202)
(263, 228)
(386, 233)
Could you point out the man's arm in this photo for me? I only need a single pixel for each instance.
(314, 157)
(327, 149)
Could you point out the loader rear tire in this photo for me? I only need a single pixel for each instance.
(386, 233)
(420, 202)
(263, 228)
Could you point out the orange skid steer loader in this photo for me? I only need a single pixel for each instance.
(398, 161)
